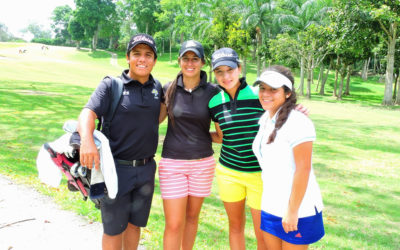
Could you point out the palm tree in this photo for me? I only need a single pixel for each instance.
(258, 15)
(299, 16)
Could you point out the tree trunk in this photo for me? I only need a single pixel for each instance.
(364, 72)
(396, 74)
(78, 45)
(301, 86)
(375, 65)
(336, 77)
(387, 98)
(259, 44)
(95, 38)
(147, 28)
(335, 83)
(342, 76)
(349, 71)
(322, 89)
(320, 75)
(244, 66)
(170, 49)
(398, 90)
(110, 43)
(162, 49)
(254, 52)
(309, 80)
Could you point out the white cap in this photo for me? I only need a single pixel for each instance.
(274, 79)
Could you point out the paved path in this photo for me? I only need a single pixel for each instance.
(29, 220)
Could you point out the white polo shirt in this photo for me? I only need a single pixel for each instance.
(278, 165)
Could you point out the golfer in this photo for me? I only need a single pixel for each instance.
(291, 216)
(187, 166)
(133, 142)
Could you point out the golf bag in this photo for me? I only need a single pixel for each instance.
(62, 156)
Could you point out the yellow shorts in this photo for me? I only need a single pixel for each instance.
(235, 186)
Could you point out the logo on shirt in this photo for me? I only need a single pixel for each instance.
(126, 92)
(155, 93)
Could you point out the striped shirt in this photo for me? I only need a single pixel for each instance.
(238, 119)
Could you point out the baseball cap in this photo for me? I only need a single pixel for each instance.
(142, 39)
(225, 56)
(274, 79)
(193, 46)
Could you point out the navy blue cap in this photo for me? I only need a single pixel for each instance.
(142, 39)
(193, 46)
(225, 57)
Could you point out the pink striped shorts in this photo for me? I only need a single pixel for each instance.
(181, 178)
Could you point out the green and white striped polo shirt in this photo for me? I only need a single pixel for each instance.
(238, 120)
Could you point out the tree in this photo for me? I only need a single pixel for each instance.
(387, 14)
(4, 34)
(60, 19)
(77, 31)
(143, 14)
(310, 48)
(92, 15)
(37, 31)
(297, 15)
(259, 15)
(353, 38)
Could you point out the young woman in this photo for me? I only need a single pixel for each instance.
(236, 111)
(187, 167)
(291, 216)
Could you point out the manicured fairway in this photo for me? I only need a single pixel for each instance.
(356, 156)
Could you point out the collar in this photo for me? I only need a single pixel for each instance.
(203, 80)
(243, 84)
(126, 79)
(273, 119)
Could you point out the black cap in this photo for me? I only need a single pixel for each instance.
(225, 56)
(142, 39)
(193, 46)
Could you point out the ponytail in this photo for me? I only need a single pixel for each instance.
(288, 105)
(170, 97)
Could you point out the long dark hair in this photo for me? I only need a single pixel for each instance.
(288, 105)
(170, 97)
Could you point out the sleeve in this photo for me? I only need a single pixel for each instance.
(301, 129)
(211, 112)
(164, 92)
(213, 107)
(100, 99)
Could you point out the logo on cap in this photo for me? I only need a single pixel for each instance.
(190, 44)
(142, 39)
(218, 56)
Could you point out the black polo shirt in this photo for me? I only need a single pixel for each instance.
(189, 137)
(134, 129)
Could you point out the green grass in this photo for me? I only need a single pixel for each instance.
(356, 155)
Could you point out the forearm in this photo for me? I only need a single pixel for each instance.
(86, 124)
(302, 155)
(217, 135)
(163, 113)
(89, 155)
(299, 187)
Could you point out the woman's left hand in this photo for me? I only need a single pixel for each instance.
(289, 221)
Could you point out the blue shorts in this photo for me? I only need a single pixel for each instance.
(310, 229)
(133, 201)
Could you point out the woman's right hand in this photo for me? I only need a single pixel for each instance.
(289, 221)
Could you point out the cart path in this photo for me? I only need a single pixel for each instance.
(30, 220)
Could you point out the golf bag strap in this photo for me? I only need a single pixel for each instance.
(116, 94)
